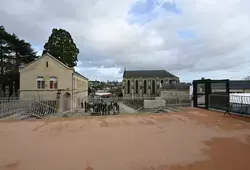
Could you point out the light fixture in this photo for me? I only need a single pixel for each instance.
(58, 94)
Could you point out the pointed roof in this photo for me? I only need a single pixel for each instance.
(61, 63)
(147, 73)
(47, 54)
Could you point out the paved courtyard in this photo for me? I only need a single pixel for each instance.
(194, 139)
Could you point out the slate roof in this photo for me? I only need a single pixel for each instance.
(147, 73)
(233, 84)
(240, 84)
(76, 73)
(179, 86)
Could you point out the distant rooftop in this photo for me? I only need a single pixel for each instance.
(233, 85)
(179, 86)
(147, 73)
(239, 84)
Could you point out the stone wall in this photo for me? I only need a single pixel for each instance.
(154, 103)
(144, 87)
(175, 96)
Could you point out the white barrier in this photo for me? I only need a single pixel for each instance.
(240, 98)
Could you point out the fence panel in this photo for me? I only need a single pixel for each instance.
(41, 108)
(219, 101)
(235, 103)
(240, 103)
(26, 109)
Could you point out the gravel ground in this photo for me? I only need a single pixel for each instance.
(193, 139)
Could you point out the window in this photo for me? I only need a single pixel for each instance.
(128, 86)
(161, 81)
(136, 87)
(40, 82)
(153, 86)
(47, 64)
(53, 83)
(145, 87)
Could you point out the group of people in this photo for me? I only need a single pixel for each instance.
(101, 108)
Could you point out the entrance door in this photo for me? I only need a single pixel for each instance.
(66, 101)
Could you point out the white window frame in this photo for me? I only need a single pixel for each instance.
(40, 83)
(55, 83)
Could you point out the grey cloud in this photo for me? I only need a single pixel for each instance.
(106, 39)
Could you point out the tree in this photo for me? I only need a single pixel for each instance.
(61, 46)
(13, 53)
(89, 90)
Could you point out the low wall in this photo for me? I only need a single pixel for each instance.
(174, 95)
(154, 103)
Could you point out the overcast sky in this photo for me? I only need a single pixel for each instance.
(189, 38)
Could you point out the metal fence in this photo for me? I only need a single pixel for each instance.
(235, 103)
(23, 109)
(15, 108)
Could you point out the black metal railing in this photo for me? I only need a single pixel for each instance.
(234, 103)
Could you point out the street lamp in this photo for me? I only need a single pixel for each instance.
(58, 97)
(58, 94)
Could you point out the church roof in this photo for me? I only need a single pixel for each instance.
(180, 86)
(147, 74)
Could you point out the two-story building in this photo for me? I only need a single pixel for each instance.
(145, 83)
(47, 78)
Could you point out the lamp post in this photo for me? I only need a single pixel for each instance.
(58, 94)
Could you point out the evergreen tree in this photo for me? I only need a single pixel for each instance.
(61, 46)
(13, 53)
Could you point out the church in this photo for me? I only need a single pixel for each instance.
(146, 83)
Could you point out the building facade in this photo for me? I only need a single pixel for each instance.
(145, 83)
(49, 79)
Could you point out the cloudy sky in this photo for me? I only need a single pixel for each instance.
(190, 38)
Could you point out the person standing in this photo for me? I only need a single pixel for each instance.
(81, 104)
(85, 106)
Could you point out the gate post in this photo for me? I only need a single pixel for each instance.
(194, 97)
(207, 93)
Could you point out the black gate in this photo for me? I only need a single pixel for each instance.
(209, 93)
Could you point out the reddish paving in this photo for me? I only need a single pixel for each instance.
(195, 139)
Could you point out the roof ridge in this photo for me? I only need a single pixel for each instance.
(59, 61)
(80, 74)
(39, 58)
(147, 73)
(146, 70)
